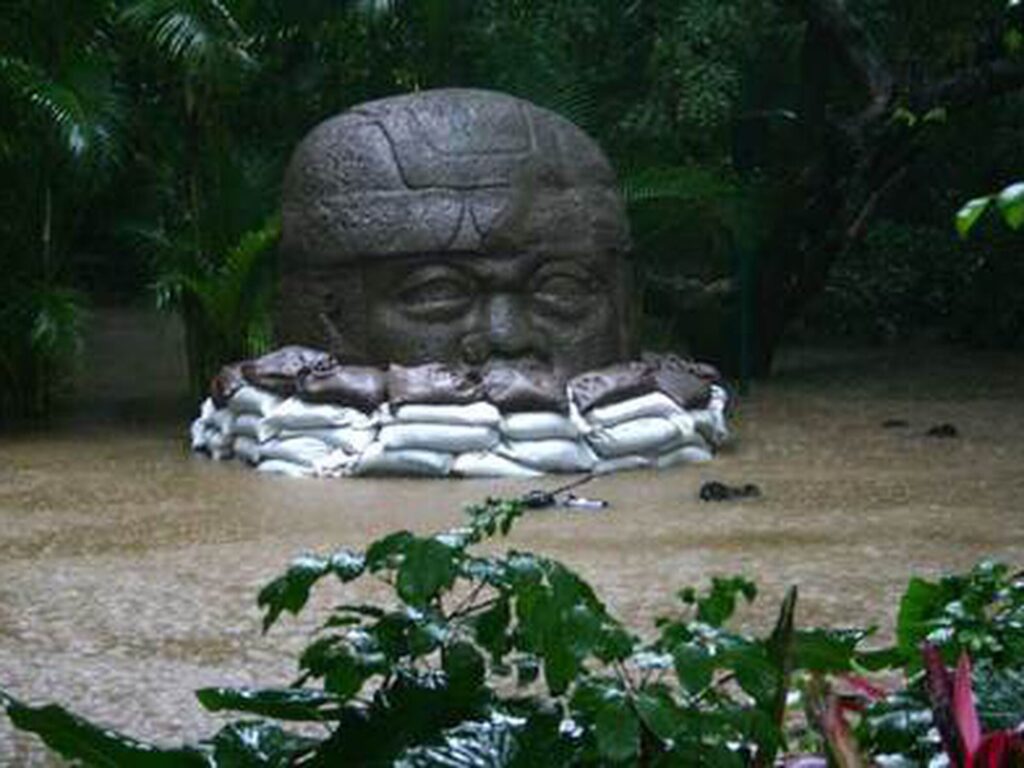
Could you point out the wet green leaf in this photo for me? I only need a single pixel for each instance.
(427, 569)
(718, 606)
(382, 553)
(659, 711)
(490, 628)
(617, 730)
(465, 667)
(256, 744)
(347, 565)
(279, 703)
(75, 738)
(823, 650)
(290, 592)
(694, 666)
(969, 214)
(1011, 205)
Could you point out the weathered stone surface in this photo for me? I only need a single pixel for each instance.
(455, 226)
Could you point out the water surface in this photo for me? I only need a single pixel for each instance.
(129, 569)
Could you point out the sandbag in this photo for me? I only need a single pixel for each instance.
(221, 420)
(611, 384)
(434, 383)
(686, 382)
(688, 454)
(279, 371)
(197, 432)
(488, 464)
(247, 449)
(247, 425)
(226, 383)
(474, 414)
(347, 439)
(219, 444)
(208, 408)
(293, 414)
(354, 386)
(549, 455)
(337, 463)
(377, 460)
(622, 464)
(447, 438)
(252, 400)
(652, 404)
(280, 467)
(515, 389)
(539, 425)
(297, 450)
(640, 436)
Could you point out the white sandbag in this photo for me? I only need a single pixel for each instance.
(347, 439)
(281, 467)
(549, 455)
(539, 425)
(710, 421)
(475, 414)
(622, 464)
(247, 449)
(445, 438)
(221, 420)
(711, 426)
(295, 415)
(653, 404)
(253, 400)
(197, 435)
(297, 450)
(247, 425)
(206, 410)
(641, 436)
(688, 454)
(487, 464)
(335, 464)
(377, 460)
(220, 445)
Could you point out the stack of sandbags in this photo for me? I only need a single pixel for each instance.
(298, 412)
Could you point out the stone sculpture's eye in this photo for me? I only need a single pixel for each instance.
(563, 290)
(435, 292)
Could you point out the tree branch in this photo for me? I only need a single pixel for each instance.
(973, 85)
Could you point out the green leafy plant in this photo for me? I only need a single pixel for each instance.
(1009, 202)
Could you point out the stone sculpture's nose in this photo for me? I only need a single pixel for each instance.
(504, 331)
(509, 330)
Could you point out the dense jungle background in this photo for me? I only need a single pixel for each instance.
(793, 168)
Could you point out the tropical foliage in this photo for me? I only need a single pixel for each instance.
(756, 140)
(483, 659)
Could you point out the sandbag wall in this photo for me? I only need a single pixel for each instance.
(441, 420)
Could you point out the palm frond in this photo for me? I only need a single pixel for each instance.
(196, 34)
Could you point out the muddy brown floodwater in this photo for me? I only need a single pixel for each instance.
(129, 569)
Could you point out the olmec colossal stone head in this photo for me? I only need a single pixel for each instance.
(455, 226)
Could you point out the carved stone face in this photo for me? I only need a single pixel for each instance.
(455, 226)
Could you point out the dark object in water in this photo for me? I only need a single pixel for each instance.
(943, 430)
(716, 491)
(538, 499)
(579, 502)
(895, 423)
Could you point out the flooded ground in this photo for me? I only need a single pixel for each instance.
(128, 569)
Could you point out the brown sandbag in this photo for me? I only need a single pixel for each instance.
(434, 384)
(513, 389)
(279, 371)
(686, 382)
(354, 386)
(611, 384)
(227, 381)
